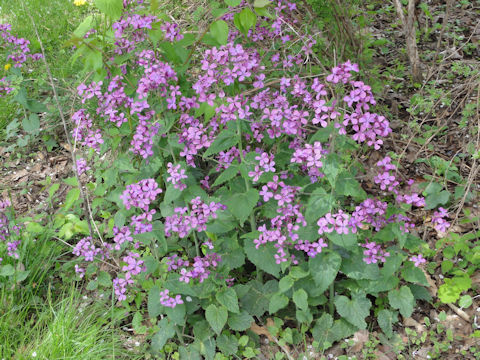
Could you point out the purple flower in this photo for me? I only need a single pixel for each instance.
(417, 260)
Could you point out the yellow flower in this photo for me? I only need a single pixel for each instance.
(79, 2)
(8, 66)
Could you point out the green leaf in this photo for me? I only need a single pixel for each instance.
(386, 319)
(245, 20)
(31, 124)
(285, 283)
(104, 279)
(36, 228)
(321, 329)
(240, 322)
(7, 270)
(154, 306)
(465, 301)
(261, 3)
(225, 140)
(177, 314)
(217, 317)
(297, 272)
(263, 257)
(84, 26)
(241, 205)
(233, 2)
(166, 332)
(277, 301)
(227, 344)
(341, 329)
(434, 200)
(324, 268)
(319, 203)
(355, 310)
(346, 241)
(402, 300)
(71, 197)
(137, 325)
(257, 299)
(347, 185)
(111, 8)
(226, 175)
(228, 298)
(219, 30)
(300, 298)
(414, 274)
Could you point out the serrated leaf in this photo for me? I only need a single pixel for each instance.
(233, 2)
(241, 204)
(341, 329)
(111, 8)
(166, 332)
(346, 241)
(35, 228)
(7, 270)
(285, 283)
(71, 197)
(347, 185)
(322, 328)
(319, 203)
(137, 325)
(216, 316)
(386, 319)
(219, 30)
(263, 257)
(228, 298)
(154, 306)
(227, 344)
(277, 301)
(104, 279)
(31, 124)
(355, 310)
(225, 140)
(324, 268)
(84, 26)
(300, 298)
(240, 322)
(402, 300)
(261, 3)
(226, 175)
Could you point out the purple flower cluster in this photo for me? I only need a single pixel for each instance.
(176, 176)
(131, 30)
(374, 253)
(171, 31)
(266, 164)
(120, 286)
(122, 235)
(82, 166)
(86, 248)
(84, 133)
(200, 268)
(140, 194)
(438, 220)
(310, 157)
(17, 48)
(385, 179)
(134, 265)
(339, 222)
(184, 220)
(5, 88)
(417, 260)
(168, 301)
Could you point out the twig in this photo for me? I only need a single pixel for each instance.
(65, 128)
(460, 313)
(410, 37)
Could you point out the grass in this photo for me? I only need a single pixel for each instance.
(47, 315)
(55, 20)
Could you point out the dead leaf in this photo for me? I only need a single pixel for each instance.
(359, 338)
(261, 330)
(411, 322)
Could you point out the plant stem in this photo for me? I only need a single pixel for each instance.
(197, 248)
(330, 298)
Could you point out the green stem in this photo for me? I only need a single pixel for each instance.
(331, 296)
(197, 248)
(179, 334)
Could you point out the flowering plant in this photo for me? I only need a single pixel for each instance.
(226, 174)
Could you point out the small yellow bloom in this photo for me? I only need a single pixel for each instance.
(8, 66)
(79, 2)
